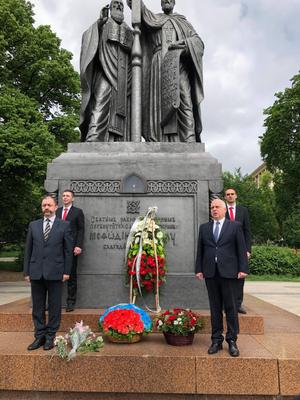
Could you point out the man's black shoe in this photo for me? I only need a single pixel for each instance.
(233, 349)
(37, 343)
(214, 348)
(70, 308)
(49, 344)
(242, 310)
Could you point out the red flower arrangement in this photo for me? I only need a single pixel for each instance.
(178, 321)
(125, 321)
(147, 240)
(148, 272)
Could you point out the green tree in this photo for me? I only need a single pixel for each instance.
(39, 108)
(280, 147)
(33, 61)
(291, 227)
(260, 203)
(25, 147)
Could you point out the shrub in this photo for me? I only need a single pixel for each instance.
(274, 260)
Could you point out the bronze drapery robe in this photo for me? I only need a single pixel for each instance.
(105, 73)
(190, 71)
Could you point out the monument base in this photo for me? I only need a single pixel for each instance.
(114, 183)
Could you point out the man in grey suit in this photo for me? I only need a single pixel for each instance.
(222, 261)
(47, 264)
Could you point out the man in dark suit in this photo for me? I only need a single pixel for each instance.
(76, 217)
(236, 212)
(47, 263)
(222, 261)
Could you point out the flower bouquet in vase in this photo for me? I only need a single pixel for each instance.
(178, 326)
(125, 323)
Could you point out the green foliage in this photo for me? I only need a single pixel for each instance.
(64, 129)
(274, 278)
(260, 203)
(10, 266)
(34, 63)
(25, 147)
(274, 260)
(291, 227)
(39, 105)
(280, 147)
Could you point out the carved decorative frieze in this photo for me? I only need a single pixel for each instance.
(95, 187)
(153, 187)
(180, 187)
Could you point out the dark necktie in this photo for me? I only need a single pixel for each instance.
(47, 229)
(217, 231)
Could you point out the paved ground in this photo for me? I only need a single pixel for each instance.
(285, 295)
(12, 291)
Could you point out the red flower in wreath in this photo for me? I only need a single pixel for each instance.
(148, 272)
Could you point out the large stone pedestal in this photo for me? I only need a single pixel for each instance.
(116, 182)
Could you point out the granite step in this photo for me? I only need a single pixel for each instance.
(268, 366)
(16, 317)
(150, 366)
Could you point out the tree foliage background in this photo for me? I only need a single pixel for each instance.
(260, 203)
(39, 108)
(280, 148)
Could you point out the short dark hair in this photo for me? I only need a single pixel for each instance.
(70, 191)
(51, 196)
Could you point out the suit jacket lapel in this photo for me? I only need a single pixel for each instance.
(237, 213)
(54, 225)
(70, 213)
(211, 231)
(59, 212)
(224, 228)
(40, 227)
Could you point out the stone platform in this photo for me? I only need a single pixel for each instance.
(268, 368)
(16, 317)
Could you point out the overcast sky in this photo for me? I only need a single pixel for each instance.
(252, 50)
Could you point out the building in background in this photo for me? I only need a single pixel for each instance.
(258, 173)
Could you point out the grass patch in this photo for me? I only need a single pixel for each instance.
(274, 278)
(5, 253)
(10, 266)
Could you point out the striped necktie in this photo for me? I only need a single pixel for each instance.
(47, 229)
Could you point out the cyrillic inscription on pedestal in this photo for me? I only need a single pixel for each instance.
(108, 223)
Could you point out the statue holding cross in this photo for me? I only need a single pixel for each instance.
(172, 81)
(142, 82)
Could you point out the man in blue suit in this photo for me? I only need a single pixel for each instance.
(222, 261)
(47, 264)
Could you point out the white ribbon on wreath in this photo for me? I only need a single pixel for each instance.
(151, 213)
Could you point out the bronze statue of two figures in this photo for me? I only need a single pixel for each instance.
(151, 73)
